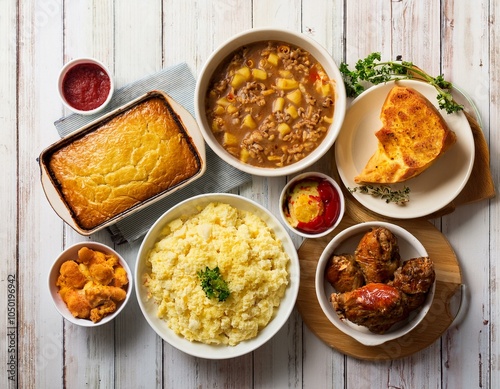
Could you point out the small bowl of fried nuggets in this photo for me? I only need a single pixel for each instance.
(90, 284)
(375, 282)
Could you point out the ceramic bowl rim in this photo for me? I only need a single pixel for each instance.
(276, 34)
(201, 350)
(298, 178)
(83, 60)
(363, 335)
(53, 288)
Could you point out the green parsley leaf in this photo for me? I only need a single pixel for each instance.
(213, 284)
(372, 70)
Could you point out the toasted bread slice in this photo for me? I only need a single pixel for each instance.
(413, 136)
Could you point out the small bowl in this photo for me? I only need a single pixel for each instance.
(72, 253)
(346, 242)
(270, 34)
(210, 351)
(289, 186)
(71, 65)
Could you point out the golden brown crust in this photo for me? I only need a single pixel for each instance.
(133, 157)
(92, 284)
(413, 136)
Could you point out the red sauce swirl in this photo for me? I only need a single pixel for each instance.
(86, 86)
(330, 199)
(331, 204)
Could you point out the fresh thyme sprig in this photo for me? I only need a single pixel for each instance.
(400, 197)
(375, 72)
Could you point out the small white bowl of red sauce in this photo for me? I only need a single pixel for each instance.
(312, 204)
(85, 86)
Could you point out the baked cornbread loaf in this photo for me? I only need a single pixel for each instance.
(131, 158)
(413, 136)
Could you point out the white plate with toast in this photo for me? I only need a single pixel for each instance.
(433, 189)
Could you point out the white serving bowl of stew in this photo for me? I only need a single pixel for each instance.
(277, 110)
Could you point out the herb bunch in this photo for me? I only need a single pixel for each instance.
(213, 284)
(400, 197)
(372, 70)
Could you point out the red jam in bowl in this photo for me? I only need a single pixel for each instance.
(312, 205)
(86, 86)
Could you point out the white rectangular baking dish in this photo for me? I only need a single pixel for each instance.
(54, 195)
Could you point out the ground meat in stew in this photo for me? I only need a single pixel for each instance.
(270, 104)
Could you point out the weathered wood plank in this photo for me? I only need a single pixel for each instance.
(86, 350)
(277, 363)
(403, 28)
(460, 40)
(324, 22)
(191, 39)
(363, 20)
(486, 94)
(465, 62)
(9, 276)
(416, 36)
(39, 232)
(137, 53)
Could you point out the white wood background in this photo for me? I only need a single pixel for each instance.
(137, 38)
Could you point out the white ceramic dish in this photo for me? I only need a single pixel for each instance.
(267, 34)
(149, 308)
(431, 190)
(346, 242)
(69, 66)
(72, 253)
(55, 198)
(302, 176)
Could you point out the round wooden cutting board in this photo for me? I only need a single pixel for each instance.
(436, 322)
(448, 274)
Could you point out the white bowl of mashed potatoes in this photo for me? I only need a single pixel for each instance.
(270, 101)
(217, 276)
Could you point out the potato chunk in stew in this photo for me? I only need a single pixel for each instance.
(270, 104)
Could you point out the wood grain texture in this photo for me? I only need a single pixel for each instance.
(488, 96)
(465, 60)
(9, 186)
(324, 22)
(458, 39)
(436, 322)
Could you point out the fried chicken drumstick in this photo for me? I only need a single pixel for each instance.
(378, 256)
(376, 306)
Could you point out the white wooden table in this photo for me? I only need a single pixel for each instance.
(40, 350)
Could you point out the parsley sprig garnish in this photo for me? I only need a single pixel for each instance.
(213, 284)
(400, 197)
(372, 70)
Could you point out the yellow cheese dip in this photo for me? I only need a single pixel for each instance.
(304, 203)
(312, 205)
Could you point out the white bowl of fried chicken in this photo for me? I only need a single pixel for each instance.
(375, 282)
(90, 284)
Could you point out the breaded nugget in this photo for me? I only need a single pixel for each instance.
(76, 301)
(98, 313)
(121, 278)
(71, 276)
(92, 284)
